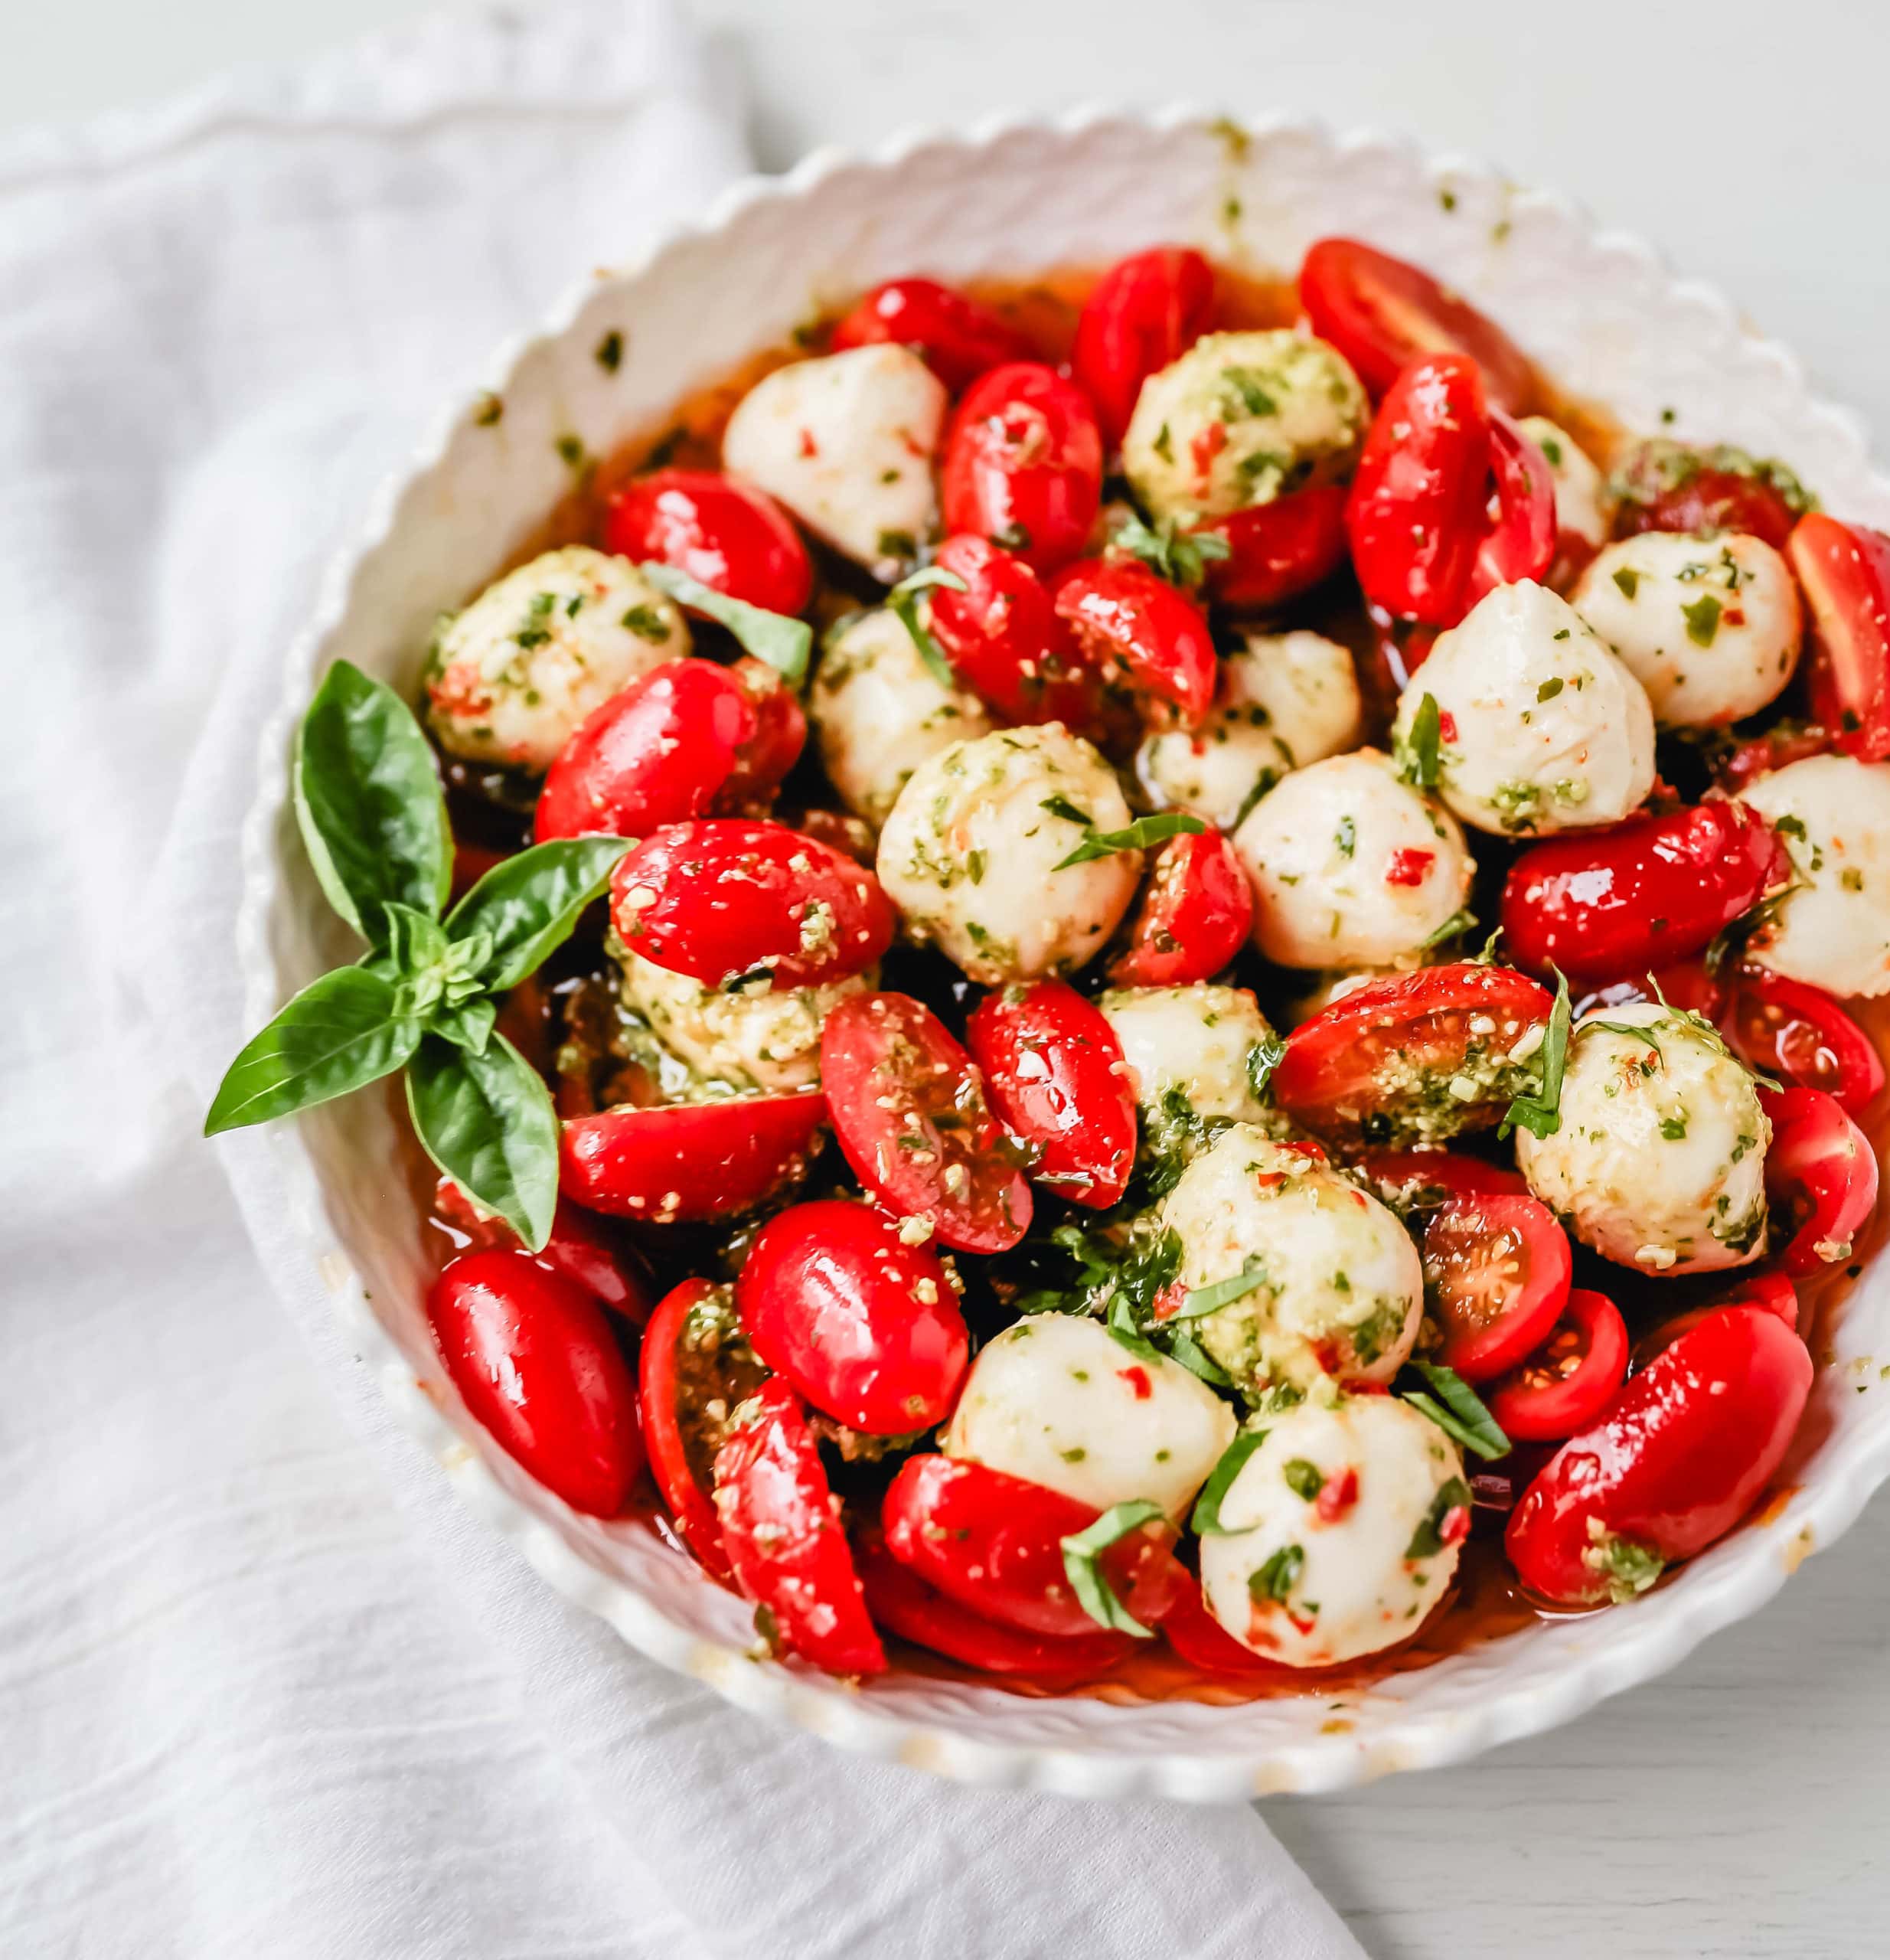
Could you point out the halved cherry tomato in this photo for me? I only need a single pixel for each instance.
(1496, 1268)
(1520, 541)
(1644, 893)
(1676, 1462)
(1196, 913)
(581, 1247)
(1782, 1027)
(1822, 1170)
(908, 1107)
(783, 1536)
(732, 903)
(1382, 313)
(1276, 551)
(1138, 630)
(1845, 572)
(1787, 742)
(689, 1160)
(852, 837)
(957, 337)
(1382, 1058)
(533, 1355)
(1143, 313)
(726, 533)
(1200, 1640)
(1570, 1378)
(780, 736)
(1412, 1180)
(1054, 1072)
(1024, 464)
(1664, 485)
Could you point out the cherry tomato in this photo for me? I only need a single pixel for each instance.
(1054, 1072)
(1782, 1027)
(732, 903)
(784, 1539)
(581, 1247)
(1686, 985)
(780, 736)
(1276, 551)
(1196, 913)
(1676, 1460)
(1570, 1378)
(726, 533)
(1422, 1180)
(1649, 891)
(1387, 1052)
(1520, 541)
(1771, 1292)
(1496, 1268)
(1382, 314)
(908, 1107)
(1003, 639)
(532, 1356)
(689, 1160)
(1845, 572)
(1142, 314)
(1024, 464)
(1665, 486)
(956, 336)
(1821, 1169)
(1200, 1640)
(1788, 741)
(1135, 628)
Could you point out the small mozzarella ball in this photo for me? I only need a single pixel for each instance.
(1542, 729)
(846, 442)
(1583, 509)
(1283, 700)
(1058, 1401)
(1659, 1161)
(1338, 1287)
(970, 851)
(509, 680)
(1350, 866)
(1339, 1533)
(879, 711)
(1241, 419)
(1710, 627)
(1191, 1052)
(1833, 929)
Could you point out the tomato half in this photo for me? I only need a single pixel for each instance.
(1844, 571)
(1136, 629)
(1024, 464)
(1570, 1378)
(1200, 1640)
(1276, 551)
(1782, 1027)
(1823, 1171)
(1664, 485)
(1196, 913)
(1143, 312)
(731, 537)
(1519, 539)
(955, 336)
(780, 735)
(581, 1247)
(1496, 1268)
(1411, 1181)
(689, 1160)
(1787, 742)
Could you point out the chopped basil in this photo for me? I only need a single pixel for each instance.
(1347, 837)
(1428, 1540)
(1421, 747)
(1305, 1480)
(1204, 1521)
(1180, 556)
(1458, 1411)
(1541, 1114)
(904, 599)
(1673, 1127)
(1061, 806)
(782, 642)
(1629, 581)
(609, 352)
(1277, 1578)
(1082, 1555)
(1702, 620)
(1458, 922)
(1140, 835)
(898, 544)
(1184, 1348)
(1210, 1299)
(1263, 1058)
(1549, 689)
(646, 622)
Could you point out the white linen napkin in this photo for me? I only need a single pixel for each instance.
(246, 1705)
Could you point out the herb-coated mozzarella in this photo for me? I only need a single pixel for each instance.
(1350, 866)
(879, 711)
(1283, 700)
(1241, 419)
(1317, 1278)
(1659, 1160)
(1339, 1532)
(1540, 727)
(846, 442)
(509, 679)
(1058, 1401)
(971, 854)
(1583, 507)
(1710, 627)
(1191, 1053)
(1833, 928)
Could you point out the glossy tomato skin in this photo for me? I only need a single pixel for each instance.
(1496, 1269)
(581, 1247)
(533, 1355)
(1675, 1462)
(721, 897)
(1003, 639)
(726, 533)
(783, 1539)
(1705, 498)
(866, 1328)
(1024, 464)
(1137, 629)
(1276, 551)
(1649, 891)
(1570, 1378)
(1844, 571)
(1143, 312)
(1821, 1168)
(1777, 747)
(1196, 914)
(1800, 1035)
(1520, 541)
(1200, 1640)
(780, 735)
(1054, 1072)
(689, 1160)
(955, 336)
(1422, 1180)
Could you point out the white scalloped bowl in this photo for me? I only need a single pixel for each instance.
(1604, 318)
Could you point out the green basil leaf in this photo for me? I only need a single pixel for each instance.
(1206, 1520)
(468, 1026)
(783, 643)
(1121, 1327)
(1142, 833)
(1184, 1348)
(1276, 1579)
(529, 904)
(1427, 1540)
(415, 941)
(904, 599)
(1458, 1411)
(1209, 1299)
(1421, 758)
(1263, 1058)
(1180, 556)
(369, 803)
(487, 1121)
(1541, 1114)
(340, 1032)
(1082, 1553)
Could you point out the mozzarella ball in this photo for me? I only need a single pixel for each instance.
(1350, 866)
(1191, 1052)
(970, 851)
(1709, 627)
(1058, 1401)
(1339, 1533)
(1242, 419)
(846, 442)
(1583, 509)
(509, 679)
(1541, 728)
(1337, 1288)
(1283, 700)
(1833, 929)
(1659, 1161)
(879, 711)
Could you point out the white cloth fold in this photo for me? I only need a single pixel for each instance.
(247, 1706)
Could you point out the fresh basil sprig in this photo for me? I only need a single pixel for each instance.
(1082, 1565)
(1142, 833)
(783, 643)
(423, 998)
(1180, 556)
(904, 600)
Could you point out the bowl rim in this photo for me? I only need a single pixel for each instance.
(1817, 1511)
